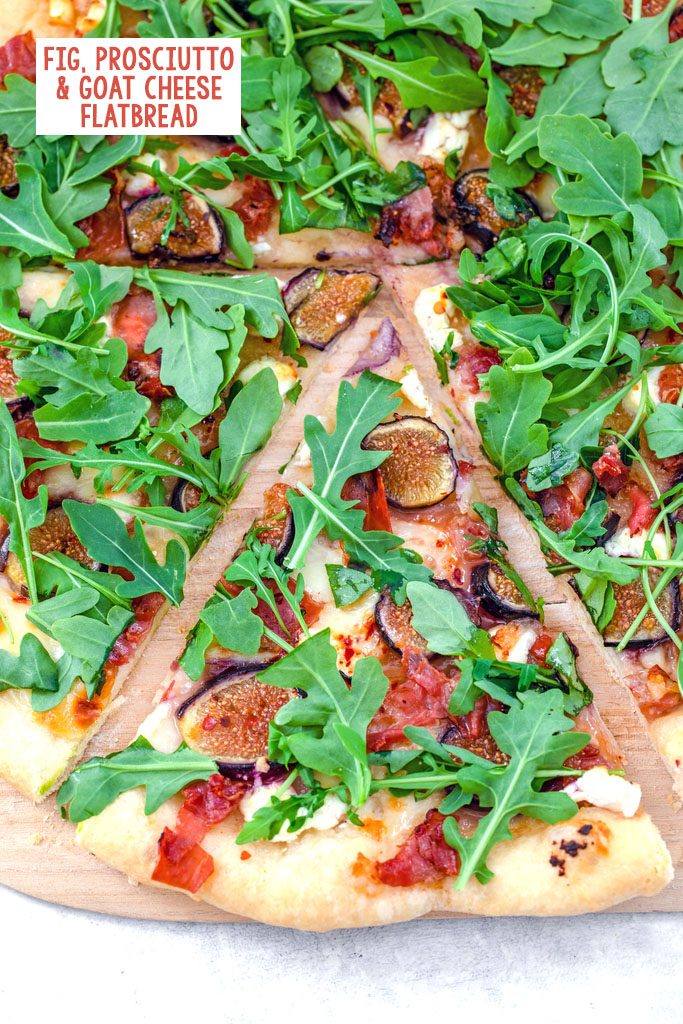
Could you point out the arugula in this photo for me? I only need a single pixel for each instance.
(338, 455)
(31, 669)
(508, 422)
(664, 430)
(84, 397)
(21, 514)
(536, 734)
(104, 536)
(325, 731)
(439, 617)
(98, 782)
(347, 585)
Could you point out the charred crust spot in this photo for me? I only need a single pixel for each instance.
(585, 830)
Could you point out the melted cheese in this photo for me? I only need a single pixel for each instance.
(598, 787)
(285, 374)
(41, 284)
(161, 728)
(322, 552)
(434, 312)
(623, 543)
(351, 629)
(631, 402)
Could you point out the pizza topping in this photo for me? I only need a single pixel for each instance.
(182, 862)
(395, 624)
(18, 57)
(423, 858)
(421, 469)
(498, 593)
(195, 233)
(599, 788)
(322, 303)
(228, 718)
(477, 214)
(54, 534)
(384, 346)
(526, 85)
(610, 471)
(630, 600)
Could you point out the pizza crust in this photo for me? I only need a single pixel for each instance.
(322, 881)
(667, 735)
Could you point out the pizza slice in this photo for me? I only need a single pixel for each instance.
(371, 720)
(581, 420)
(133, 403)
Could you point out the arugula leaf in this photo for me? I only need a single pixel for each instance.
(337, 456)
(25, 223)
(31, 669)
(325, 731)
(210, 297)
(439, 617)
(664, 430)
(619, 67)
(596, 19)
(18, 110)
(21, 514)
(535, 733)
(347, 585)
(610, 174)
(95, 785)
(247, 425)
(105, 538)
(232, 623)
(418, 82)
(529, 44)
(649, 110)
(550, 469)
(196, 359)
(85, 399)
(508, 422)
(293, 812)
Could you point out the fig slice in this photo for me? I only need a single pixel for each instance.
(322, 303)
(228, 718)
(55, 534)
(395, 624)
(421, 469)
(630, 598)
(185, 496)
(498, 594)
(199, 238)
(476, 214)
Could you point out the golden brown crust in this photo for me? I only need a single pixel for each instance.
(20, 16)
(322, 880)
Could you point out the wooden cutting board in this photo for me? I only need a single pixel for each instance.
(38, 851)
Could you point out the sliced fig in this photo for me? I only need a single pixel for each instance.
(278, 531)
(185, 496)
(8, 174)
(499, 595)
(55, 534)
(421, 469)
(228, 718)
(395, 624)
(322, 303)
(525, 86)
(197, 236)
(630, 599)
(476, 213)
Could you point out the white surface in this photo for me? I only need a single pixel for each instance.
(60, 965)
